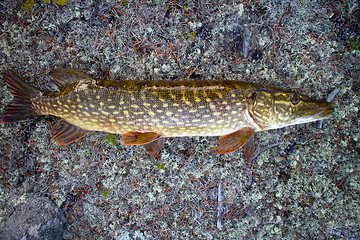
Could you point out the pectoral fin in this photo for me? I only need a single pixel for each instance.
(64, 133)
(155, 147)
(233, 141)
(139, 138)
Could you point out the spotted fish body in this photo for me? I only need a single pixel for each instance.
(174, 109)
(147, 111)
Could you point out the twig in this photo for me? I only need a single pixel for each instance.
(220, 208)
(329, 99)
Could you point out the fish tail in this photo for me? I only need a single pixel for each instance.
(21, 107)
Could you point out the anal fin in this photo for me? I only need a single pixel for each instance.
(139, 138)
(64, 133)
(155, 147)
(233, 141)
(249, 148)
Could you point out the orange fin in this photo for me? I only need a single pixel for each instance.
(63, 77)
(155, 147)
(64, 133)
(249, 148)
(233, 141)
(139, 138)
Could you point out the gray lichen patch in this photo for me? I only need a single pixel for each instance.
(307, 185)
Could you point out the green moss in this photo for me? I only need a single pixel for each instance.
(354, 44)
(30, 3)
(125, 4)
(105, 194)
(160, 166)
(111, 139)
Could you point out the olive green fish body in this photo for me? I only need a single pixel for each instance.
(173, 109)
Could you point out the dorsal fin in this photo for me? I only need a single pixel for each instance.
(64, 77)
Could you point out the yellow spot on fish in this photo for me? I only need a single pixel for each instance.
(101, 104)
(80, 106)
(134, 106)
(208, 99)
(112, 106)
(105, 113)
(97, 97)
(168, 113)
(109, 100)
(146, 104)
(78, 100)
(69, 100)
(92, 105)
(86, 114)
(216, 113)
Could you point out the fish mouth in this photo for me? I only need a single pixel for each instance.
(325, 112)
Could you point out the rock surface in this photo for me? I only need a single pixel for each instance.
(30, 217)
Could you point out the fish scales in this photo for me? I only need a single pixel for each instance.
(175, 109)
(145, 112)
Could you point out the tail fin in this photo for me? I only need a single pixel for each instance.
(21, 107)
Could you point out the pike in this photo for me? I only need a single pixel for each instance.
(145, 112)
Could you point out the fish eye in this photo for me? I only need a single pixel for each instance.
(295, 99)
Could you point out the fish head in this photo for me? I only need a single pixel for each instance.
(277, 109)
